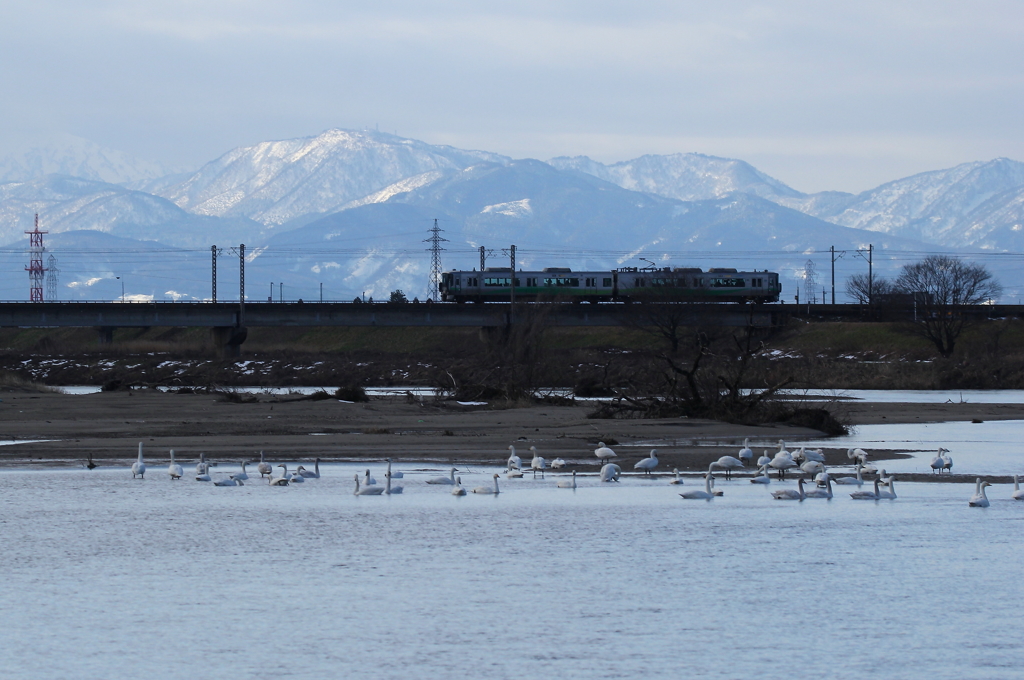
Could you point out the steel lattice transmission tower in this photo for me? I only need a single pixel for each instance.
(435, 242)
(52, 273)
(35, 267)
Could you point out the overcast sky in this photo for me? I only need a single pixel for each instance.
(820, 95)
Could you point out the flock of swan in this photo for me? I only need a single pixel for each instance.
(806, 462)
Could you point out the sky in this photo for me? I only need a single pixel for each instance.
(841, 96)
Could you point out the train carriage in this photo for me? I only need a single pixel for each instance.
(627, 284)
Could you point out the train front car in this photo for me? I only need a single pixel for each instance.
(691, 284)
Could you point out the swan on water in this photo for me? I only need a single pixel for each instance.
(820, 493)
(231, 480)
(558, 464)
(698, 494)
(648, 463)
(202, 469)
(457, 490)
(610, 472)
(603, 453)
(282, 480)
(678, 479)
(513, 473)
(538, 463)
(764, 459)
(315, 474)
(937, 461)
(746, 454)
(980, 498)
(714, 491)
(1017, 495)
(174, 470)
(138, 467)
(388, 489)
(891, 493)
(857, 481)
(264, 468)
(866, 495)
(822, 478)
(368, 480)
(443, 480)
(296, 478)
(567, 483)
(514, 461)
(762, 478)
(487, 489)
(947, 462)
(367, 490)
(243, 475)
(790, 494)
(727, 463)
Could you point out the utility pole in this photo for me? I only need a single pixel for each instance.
(52, 272)
(836, 255)
(870, 251)
(321, 291)
(213, 259)
(435, 249)
(512, 281)
(240, 251)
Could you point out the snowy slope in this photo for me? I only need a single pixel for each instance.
(77, 157)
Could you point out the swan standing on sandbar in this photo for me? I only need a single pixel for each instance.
(443, 480)
(610, 472)
(316, 472)
(487, 489)
(648, 463)
(947, 462)
(537, 463)
(566, 483)
(866, 495)
(603, 453)
(782, 462)
(388, 489)
(457, 490)
(697, 494)
(790, 494)
(937, 461)
(746, 454)
(678, 479)
(174, 470)
(1017, 495)
(727, 463)
(764, 459)
(202, 469)
(980, 498)
(367, 490)
(139, 467)
(264, 468)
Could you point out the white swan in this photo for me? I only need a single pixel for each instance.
(487, 489)
(293, 479)
(678, 479)
(367, 490)
(538, 463)
(603, 453)
(566, 483)
(1017, 495)
(231, 480)
(443, 480)
(264, 468)
(139, 467)
(782, 450)
(866, 495)
(782, 462)
(388, 489)
(858, 455)
(814, 454)
(947, 462)
(762, 478)
(202, 469)
(698, 494)
(980, 498)
(714, 491)
(891, 493)
(822, 478)
(315, 474)
(457, 490)
(610, 472)
(243, 475)
(821, 493)
(852, 481)
(648, 463)
(174, 470)
(513, 473)
(282, 480)
(798, 456)
(790, 494)
(558, 464)
(368, 480)
(514, 461)
(812, 467)
(746, 454)
(764, 459)
(727, 463)
(937, 461)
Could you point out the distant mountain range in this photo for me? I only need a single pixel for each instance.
(349, 210)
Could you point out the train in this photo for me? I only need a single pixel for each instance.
(626, 284)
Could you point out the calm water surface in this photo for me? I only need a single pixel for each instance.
(106, 577)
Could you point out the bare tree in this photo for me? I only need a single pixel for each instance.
(857, 287)
(944, 288)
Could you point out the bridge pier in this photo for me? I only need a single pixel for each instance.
(105, 335)
(228, 340)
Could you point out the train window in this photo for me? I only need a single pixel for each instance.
(458, 282)
(727, 283)
(607, 283)
(499, 282)
(562, 282)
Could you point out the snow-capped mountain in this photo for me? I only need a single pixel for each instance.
(76, 157)
(686, 176)
(275, 182)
